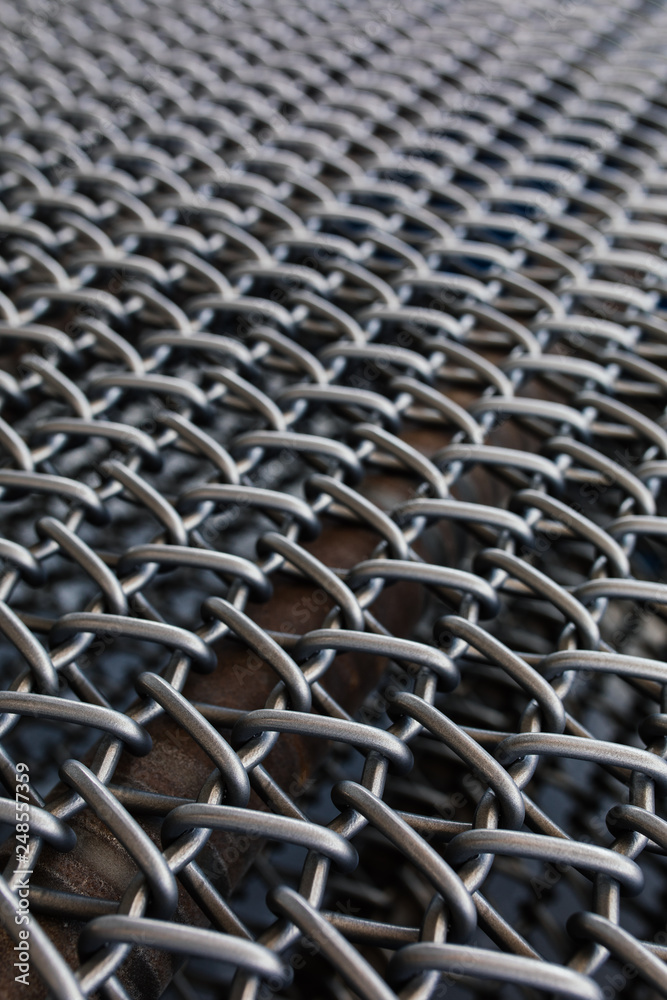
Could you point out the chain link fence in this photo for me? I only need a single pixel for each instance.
(333, 371)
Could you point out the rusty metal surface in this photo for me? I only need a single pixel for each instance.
(274, 269)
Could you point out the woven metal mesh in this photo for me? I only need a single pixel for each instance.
(333, 443)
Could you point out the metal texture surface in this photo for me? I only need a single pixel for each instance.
(267, 267)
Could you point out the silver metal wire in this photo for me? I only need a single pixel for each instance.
(268, 267)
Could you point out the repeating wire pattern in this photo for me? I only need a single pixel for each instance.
(361, 305)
